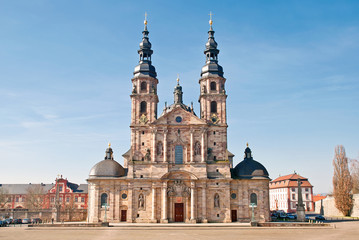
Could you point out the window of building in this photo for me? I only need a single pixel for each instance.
(253, 198)
(293, 196)
(82, 199)
(178, 154)
(67, 199)
(17, 199)
(214, 143)
(76, 199)
(60, 189)
(213, 86)
(293, 189)
(60, 199)
(307, 196)
(143, 86)
(213, 107)
(52, 199)
(143, 107)
(103, 199)
(306, 189)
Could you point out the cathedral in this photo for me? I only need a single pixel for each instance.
(178, 168)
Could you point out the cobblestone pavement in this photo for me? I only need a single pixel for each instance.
(343, 230)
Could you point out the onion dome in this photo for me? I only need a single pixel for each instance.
(249, 168)
(107, 167)
(145, 65)
(212, 68)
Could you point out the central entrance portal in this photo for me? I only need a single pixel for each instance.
(179, 212)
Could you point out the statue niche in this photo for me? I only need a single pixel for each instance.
(148, 155)
(197, 148)
(141, 201)
(178, 189)
(159, 148)
(216, 200)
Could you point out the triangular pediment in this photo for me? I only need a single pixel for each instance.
(172, 118)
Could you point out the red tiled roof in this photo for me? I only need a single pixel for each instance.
(318, 197)
(293, 176)
(289, 181)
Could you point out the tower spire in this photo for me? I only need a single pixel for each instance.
(145, 64)
(212, 67)
(178, 94)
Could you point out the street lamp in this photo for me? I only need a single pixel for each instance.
(253, 221)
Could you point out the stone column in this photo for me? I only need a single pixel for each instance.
(97, 203)
(165, 145)
(111, 206)
(130, 194)
(191, 131)
(153, 202)
(154, 131)
(192, 202)
(164, 203)
(117, 201)
(204, 205)
(203, 145)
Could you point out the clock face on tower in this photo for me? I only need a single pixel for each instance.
(214, 118)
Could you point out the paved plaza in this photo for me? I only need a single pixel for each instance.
(343, 230)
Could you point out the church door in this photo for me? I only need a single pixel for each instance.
(179, 212)
(123, 215)
(178, 154)
(234, 215)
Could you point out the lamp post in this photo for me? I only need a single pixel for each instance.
(57, 201)
(105, 218)
(253, 221)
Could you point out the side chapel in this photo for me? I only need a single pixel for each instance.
(178, 168)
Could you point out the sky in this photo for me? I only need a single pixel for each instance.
(292, 72)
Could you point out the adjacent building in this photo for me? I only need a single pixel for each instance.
(284, 193)
(178, 167)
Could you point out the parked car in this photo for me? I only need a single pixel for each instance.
(292, 216)
(319, 217)
(8, 221)
(3, 223)
(36, 220)
(25, 221)
(16, 221)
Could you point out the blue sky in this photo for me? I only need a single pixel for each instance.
(65, 69)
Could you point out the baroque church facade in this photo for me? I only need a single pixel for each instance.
(178, 168)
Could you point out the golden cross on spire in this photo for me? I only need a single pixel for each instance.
(109, 144)
(247, 144)
(145, 22)
(210, 18)
(177, 79)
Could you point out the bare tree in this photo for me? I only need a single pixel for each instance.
(342, 182)
(4, 197)
(35, 197)
(354, 172)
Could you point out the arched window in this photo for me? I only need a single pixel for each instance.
(213, 86)
(143, 86)
(213, 107)
(103, 199)
(143, 107)
(254, 198)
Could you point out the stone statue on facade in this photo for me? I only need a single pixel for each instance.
(141, 201)
(148, 155)
(159, 149)
(197, 149)
(134, 89)
(216, 200)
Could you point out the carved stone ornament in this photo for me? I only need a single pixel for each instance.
(214, 118)
(178, 189)
(143, 119)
